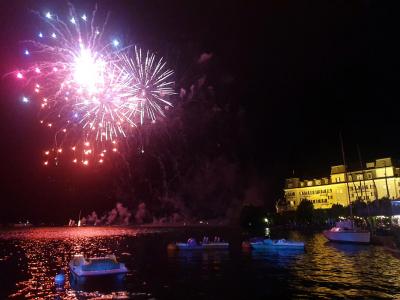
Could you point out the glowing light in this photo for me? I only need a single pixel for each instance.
(47, 152)
(73, 148)
(25, 99)
(54, 35)
(48, 15)
(19, 75)
(59, 150)
(88, 71)
(40, 34)
(72, 20)
(46, 163)
(100, 161)
(115, 43)
(84, 17)
(85, 162)
(26, 52)
(37, 70)
(114, 149)
(74, 160)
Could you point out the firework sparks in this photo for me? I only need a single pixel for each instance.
(149, 83)
(92, 93)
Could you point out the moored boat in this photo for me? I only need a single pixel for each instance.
(96, 266)
(346, 231)
(205, 245)
(209, 246)
(279, 244)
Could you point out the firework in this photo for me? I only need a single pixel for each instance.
(149, 82)
(92, 92)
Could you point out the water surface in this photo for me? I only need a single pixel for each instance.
(30, 258)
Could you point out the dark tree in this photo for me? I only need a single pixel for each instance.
(305, 212)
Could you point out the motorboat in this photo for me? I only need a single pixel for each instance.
(96, 266)
(276, 244)
(205, 245)
(346, 231)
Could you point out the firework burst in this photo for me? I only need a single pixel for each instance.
(91, 93)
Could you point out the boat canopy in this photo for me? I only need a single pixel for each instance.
(345, 224)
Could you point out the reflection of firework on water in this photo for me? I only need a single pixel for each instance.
(92, 93)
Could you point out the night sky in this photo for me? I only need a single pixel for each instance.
(299, 72)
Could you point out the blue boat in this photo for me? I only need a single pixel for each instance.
(205, 245)
(276, 244)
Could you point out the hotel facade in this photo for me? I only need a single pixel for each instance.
(378, 180)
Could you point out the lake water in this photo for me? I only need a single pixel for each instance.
(30, 258)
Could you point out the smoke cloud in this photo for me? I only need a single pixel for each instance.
(119, 215)
(204, 57)
(141, 213)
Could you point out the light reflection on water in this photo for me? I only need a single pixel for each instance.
(30, 258)
(346, 270)
(41, 253)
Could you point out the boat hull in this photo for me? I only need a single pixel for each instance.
(209, 246)
(358, 237)
(79, 272)
(270, 244)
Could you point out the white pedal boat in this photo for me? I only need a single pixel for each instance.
(96, 266)
(276, 244)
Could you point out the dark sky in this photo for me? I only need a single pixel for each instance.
(302, 71)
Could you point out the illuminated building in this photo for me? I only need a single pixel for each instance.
(379, 179)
